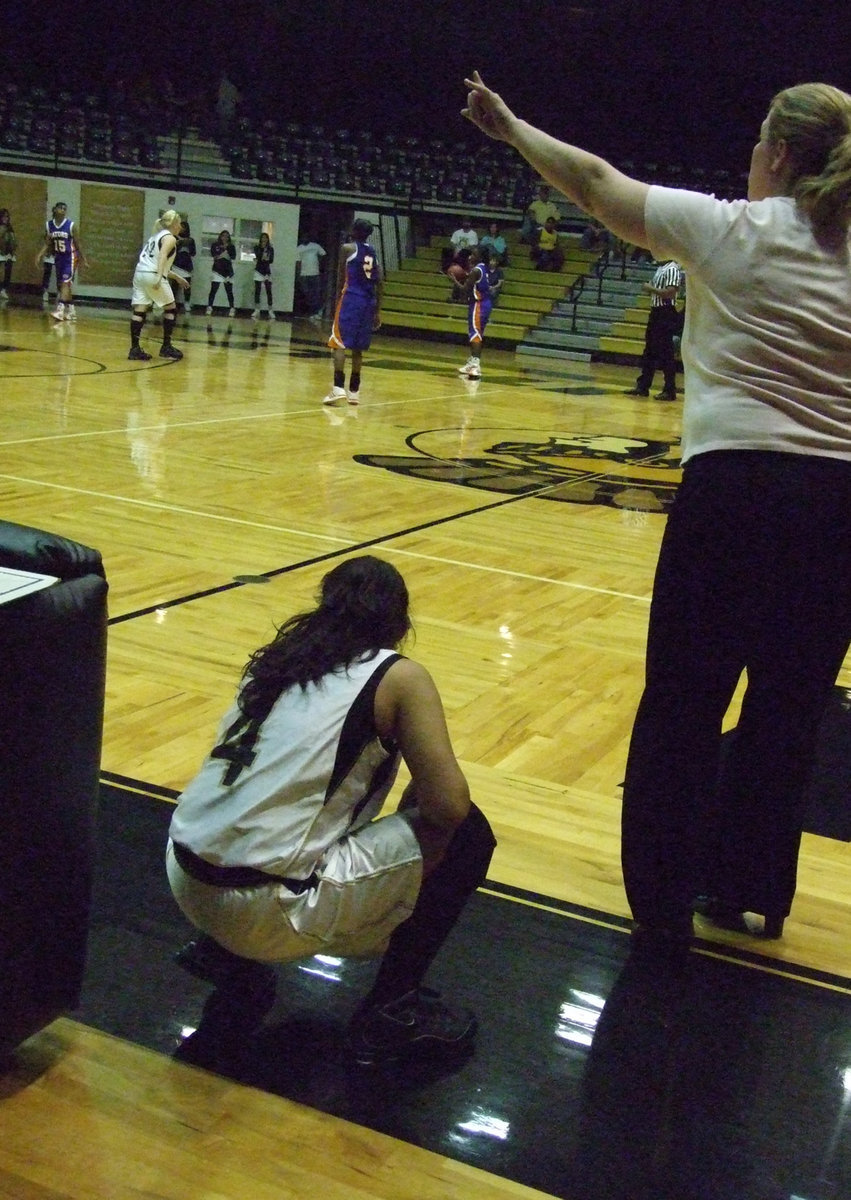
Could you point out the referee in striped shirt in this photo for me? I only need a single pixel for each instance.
(663, 324)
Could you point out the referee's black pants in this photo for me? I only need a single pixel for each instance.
(662, 325)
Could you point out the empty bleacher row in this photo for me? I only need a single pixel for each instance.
(72, 127)
(480, 175)
(397, 166)
(170, 140)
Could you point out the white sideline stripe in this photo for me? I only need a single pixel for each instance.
(320, 537)
(267, 416)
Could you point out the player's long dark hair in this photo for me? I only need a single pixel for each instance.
(362, 608)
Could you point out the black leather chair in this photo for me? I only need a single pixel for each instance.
(52, 672)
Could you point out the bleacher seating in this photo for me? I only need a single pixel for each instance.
(417, 296)
(159, 138)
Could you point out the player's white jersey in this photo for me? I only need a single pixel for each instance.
(150, 256)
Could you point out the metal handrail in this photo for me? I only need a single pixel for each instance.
(574, 292)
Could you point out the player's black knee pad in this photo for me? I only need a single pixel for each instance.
(472, 846)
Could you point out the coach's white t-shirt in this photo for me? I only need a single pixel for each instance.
(767, 341)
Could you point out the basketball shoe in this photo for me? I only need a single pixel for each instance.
(417, 1022)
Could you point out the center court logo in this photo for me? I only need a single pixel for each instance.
(575, 468)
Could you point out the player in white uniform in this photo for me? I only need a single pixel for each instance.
(151, 286)
(276, 848)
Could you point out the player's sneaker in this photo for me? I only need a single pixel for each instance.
(418, 1022)
(255, 316)
(58, 313)
(463, 370)
(208, 312)
(471, 369)
(138, 354)
(45, 297)
(170, 352)
(70, 313)
(353, 397)
(231, 312)
(271, 314)
(335, 396)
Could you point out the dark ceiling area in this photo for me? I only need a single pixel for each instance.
(683, 82)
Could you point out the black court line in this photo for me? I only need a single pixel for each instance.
(565, 908)
(595, 1076)
(379, 540)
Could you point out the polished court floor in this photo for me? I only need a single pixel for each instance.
(525, 512)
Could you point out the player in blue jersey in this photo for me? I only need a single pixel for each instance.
(63, 242)
(358, 311)
(477, 292)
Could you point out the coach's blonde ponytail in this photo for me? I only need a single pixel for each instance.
(814, 119)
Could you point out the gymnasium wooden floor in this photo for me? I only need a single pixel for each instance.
(525, 512)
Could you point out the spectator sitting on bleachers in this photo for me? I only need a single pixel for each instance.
(465, 237)
(546, 253)
(496, 243)
(595, 237)
(536, 215)
(495, 277)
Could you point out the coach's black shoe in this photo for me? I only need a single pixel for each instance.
(666, 395)
(170, 352)
(138, 354)
(664, 940)
(418, 1022)
(731, 916)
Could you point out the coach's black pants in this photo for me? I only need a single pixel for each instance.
(754, 573)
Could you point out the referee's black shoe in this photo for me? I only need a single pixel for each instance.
(418, 1022)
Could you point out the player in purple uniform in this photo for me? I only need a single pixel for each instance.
(63, 242)
(477, 292)
(358, 311)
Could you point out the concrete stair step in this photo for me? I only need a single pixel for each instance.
(563, 318)
(449, 308)
(451, 325)
(577, 341)
(553, 352)
(617, 345)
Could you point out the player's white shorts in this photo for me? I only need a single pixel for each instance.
(149, 288)
(368, 884)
